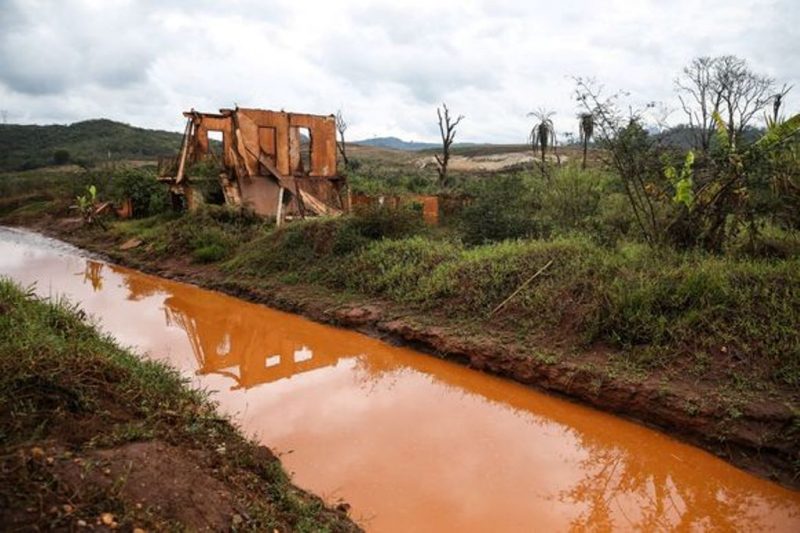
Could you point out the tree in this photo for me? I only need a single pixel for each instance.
(700, 98)
(723, 85)
(341, 127)
(777, 102)
(447, 128)
(586, 128)
(735, 189)
(61, 157)
(631, 151)
(543, 134)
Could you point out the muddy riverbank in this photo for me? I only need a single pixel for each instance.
(95, 437)
(759, 435)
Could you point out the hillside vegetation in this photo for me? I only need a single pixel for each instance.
(30, 146)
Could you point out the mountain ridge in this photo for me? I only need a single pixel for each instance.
(28, 146)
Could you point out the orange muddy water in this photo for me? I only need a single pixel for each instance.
(413, 443)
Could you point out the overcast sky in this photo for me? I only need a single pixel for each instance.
(387, 65)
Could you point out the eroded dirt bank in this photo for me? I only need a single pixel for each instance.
(759, 436)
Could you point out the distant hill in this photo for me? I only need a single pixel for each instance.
(29, 146)
(682, 136)
(394, 143)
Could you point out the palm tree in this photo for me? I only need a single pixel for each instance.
(586, 127)
(543, 134)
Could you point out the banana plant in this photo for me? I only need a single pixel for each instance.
(682, 181)
(86, 204)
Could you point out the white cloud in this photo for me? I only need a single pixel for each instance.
(387, 64)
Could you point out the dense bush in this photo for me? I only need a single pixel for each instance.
(388, 181)
(147, 195)
(207, 235)
(525, 206)
(396, 268)
(586, 201)
(504, 207)
(299, 246)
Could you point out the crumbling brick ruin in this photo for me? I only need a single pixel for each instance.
(279, 164)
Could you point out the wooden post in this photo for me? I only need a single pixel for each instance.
(184, 151)
(279, 216)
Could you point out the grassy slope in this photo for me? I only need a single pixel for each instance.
(665, 310)
(72, 403)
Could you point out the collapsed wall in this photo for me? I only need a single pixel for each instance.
(278, 164)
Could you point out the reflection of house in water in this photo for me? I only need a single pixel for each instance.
(93, 273)
(226, 334)
(248, 343)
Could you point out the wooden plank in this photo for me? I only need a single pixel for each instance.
(184, 150)
(316, 205)
(279, 216)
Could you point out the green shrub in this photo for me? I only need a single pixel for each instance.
(382, 180)
(140, 185)
(613, 220)
(588, 201)
(217, 231)
(380, 222)
(505, 207)
(394, 268)
(209, 253)
(302, 245)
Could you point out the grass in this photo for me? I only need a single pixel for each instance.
(208, 236)
(67, 391)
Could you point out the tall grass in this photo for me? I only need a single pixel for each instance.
(660, 306)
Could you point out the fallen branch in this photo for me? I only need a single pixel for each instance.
(504, 302)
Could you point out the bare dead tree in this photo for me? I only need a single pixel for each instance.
(726, 86)
(447, 127)
(700, 97)
(744, 93)
(341, 127)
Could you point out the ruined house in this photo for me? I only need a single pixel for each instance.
(281, 165)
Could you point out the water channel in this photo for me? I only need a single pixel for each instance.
(412, 442)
